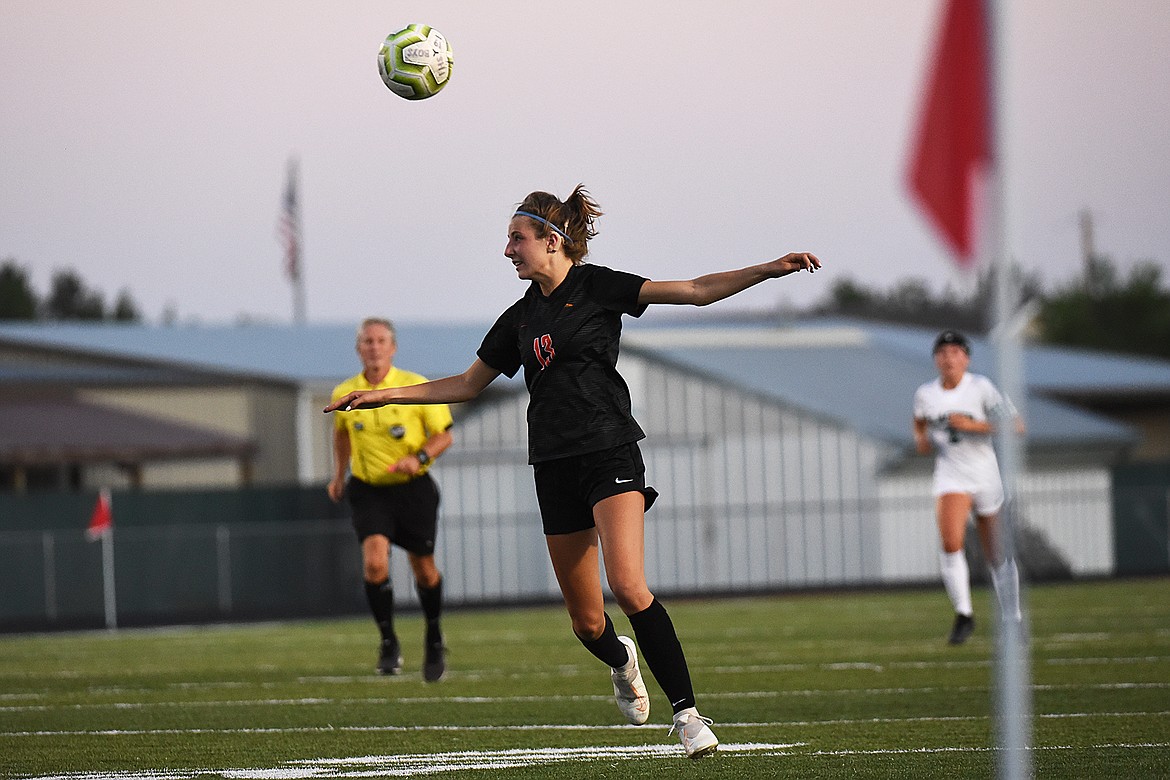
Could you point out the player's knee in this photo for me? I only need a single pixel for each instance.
(632, 596)
(588, 627)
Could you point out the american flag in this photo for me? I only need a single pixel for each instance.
(289, 228)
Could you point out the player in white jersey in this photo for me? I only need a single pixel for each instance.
(955, 416)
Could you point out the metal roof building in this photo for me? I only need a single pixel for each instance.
(784, 449)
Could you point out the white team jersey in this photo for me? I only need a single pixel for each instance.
(966, 461)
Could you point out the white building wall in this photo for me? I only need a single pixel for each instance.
(908, 535)
(490, 544)
(1070, 506)
(754, 496)
(1073, 508)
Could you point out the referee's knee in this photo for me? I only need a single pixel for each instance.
(375, 571)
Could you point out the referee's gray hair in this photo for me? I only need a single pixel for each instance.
(368, 321)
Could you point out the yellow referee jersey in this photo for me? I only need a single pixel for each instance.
(381, 437)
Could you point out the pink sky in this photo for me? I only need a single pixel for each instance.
(144, 144)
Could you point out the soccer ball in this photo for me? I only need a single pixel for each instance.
(415, 62)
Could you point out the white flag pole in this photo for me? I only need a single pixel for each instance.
(108, 586)
(1013, 698)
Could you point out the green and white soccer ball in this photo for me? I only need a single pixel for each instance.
(415, 62)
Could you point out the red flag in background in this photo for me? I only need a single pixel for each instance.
(102, 519)
(954, 146)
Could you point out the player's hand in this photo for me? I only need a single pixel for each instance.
(964, 422)
(336, 489)
(350, 401)
(796, 261)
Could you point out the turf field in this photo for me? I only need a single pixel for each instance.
(856, 684)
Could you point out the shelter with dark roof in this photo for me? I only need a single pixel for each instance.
(242, 402)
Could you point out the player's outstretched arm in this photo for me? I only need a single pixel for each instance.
(448, 390)
(710, 288)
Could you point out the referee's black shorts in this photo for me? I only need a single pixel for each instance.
(406, 514)
(567, 488)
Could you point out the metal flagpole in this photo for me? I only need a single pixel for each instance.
(290, 234)
(1013, 699)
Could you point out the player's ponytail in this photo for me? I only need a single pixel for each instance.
(581, 210)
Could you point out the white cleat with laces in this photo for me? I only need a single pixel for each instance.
(697, 739)
(628, 689)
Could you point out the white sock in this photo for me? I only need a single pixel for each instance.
(1006, 580)
(957, 580)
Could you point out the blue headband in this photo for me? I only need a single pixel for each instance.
(562, 233)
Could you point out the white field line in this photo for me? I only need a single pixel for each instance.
(564, 671)
(416, 764)
(559, 726)
(914, 751)
(426, 700)
(876, 666)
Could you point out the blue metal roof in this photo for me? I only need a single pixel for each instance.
(860, 374)
(23, 373)
(864, 376)
(1059, 370)
(296, 353)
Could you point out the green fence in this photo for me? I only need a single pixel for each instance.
(1141, 518)
(176, 556)
(188, 556)
(65, 511)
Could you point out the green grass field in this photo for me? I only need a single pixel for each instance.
(854, 684)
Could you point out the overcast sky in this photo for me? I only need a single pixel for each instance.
(144, 144)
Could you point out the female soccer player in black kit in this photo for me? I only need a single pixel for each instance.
(582, 438)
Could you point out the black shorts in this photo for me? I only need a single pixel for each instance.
(406, 514)
(567, 488)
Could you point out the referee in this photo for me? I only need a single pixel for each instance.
(388, 452)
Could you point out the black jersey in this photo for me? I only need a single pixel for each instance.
(568, 345)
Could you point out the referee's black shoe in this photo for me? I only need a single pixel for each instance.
(435, 664)
(962, 630)
(390, 658)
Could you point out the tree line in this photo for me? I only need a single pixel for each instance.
(1100, 310)
(68, 298)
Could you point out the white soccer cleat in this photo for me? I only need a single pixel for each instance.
(628, 689)
(697, 739)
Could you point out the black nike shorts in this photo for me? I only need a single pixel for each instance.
(568, 488)
(406, 514)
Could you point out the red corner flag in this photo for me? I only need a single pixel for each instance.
(953, 144)
(102, 519)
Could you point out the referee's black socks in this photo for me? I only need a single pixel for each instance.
(381, 598)
(431, 600)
